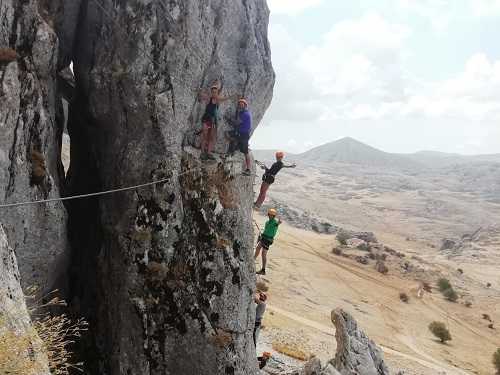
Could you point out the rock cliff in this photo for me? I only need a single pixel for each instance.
(30, 140)
(164, 274)
(16, 333)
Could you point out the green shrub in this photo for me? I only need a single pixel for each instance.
(496, 360)
(443, 284)
(404, 297)
(342, 237)
(450, 295)
(439, 330)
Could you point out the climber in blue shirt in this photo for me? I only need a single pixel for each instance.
(244, 129)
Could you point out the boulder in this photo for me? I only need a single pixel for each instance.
(356, 353)
(381, 267)
(312, 367)
(330, 370)
(368, 237)
(448, 244)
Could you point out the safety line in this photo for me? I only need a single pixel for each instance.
(100, 193)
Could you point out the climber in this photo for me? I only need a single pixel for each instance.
(210, 118)
(266, 356)
(243, 132)
(266, 239)
(260, 299)
(269, 176)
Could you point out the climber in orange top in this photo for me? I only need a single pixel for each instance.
(270, 175)
(210, 118)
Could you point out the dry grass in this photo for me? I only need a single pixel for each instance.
(292, 350)
(16, 351)
(49, 336)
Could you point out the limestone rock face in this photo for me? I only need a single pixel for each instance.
(356, 353)
(164, 273)
(13, 312)
(30, 134)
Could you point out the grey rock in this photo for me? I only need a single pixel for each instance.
(13, 309)
(448, 244)
(30, 120)
(312, 367)
(330, 370)
(165, 274)
(344, 235)
(381, 267)
(299, 219)
(356, 353)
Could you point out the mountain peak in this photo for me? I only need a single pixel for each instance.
(351, 151)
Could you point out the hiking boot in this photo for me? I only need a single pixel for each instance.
(256, 207)
(247, 173)
(262, 272)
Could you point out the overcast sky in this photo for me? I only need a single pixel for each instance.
(400, 75)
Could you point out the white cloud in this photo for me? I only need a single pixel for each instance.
(484, 8)
(438, 12)
(355, 81)
(292, 7)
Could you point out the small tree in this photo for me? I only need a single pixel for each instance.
(404, 297)
(439, 330)
(443, 284)
(496, 360)
(450, 295)
(342, 237)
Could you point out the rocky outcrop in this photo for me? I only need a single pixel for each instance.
(165, 273)
(356, 353)
(30, 141)
(346, 234)
(15, 325)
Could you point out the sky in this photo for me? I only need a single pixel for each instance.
(400, 75)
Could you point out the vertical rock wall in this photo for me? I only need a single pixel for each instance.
(14, 316)
(164, 274)
(30, 141)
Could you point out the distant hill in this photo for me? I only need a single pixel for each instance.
(350, 151)
(442, 159)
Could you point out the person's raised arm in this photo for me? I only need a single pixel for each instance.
(226, 98)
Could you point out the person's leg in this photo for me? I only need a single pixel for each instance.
(256, 333)
(262, 196)
(212, 137)
(264, 259)
(257, 250)
(247, 160)
(204, 139)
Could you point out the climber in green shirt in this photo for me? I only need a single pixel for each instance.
(266, 239)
